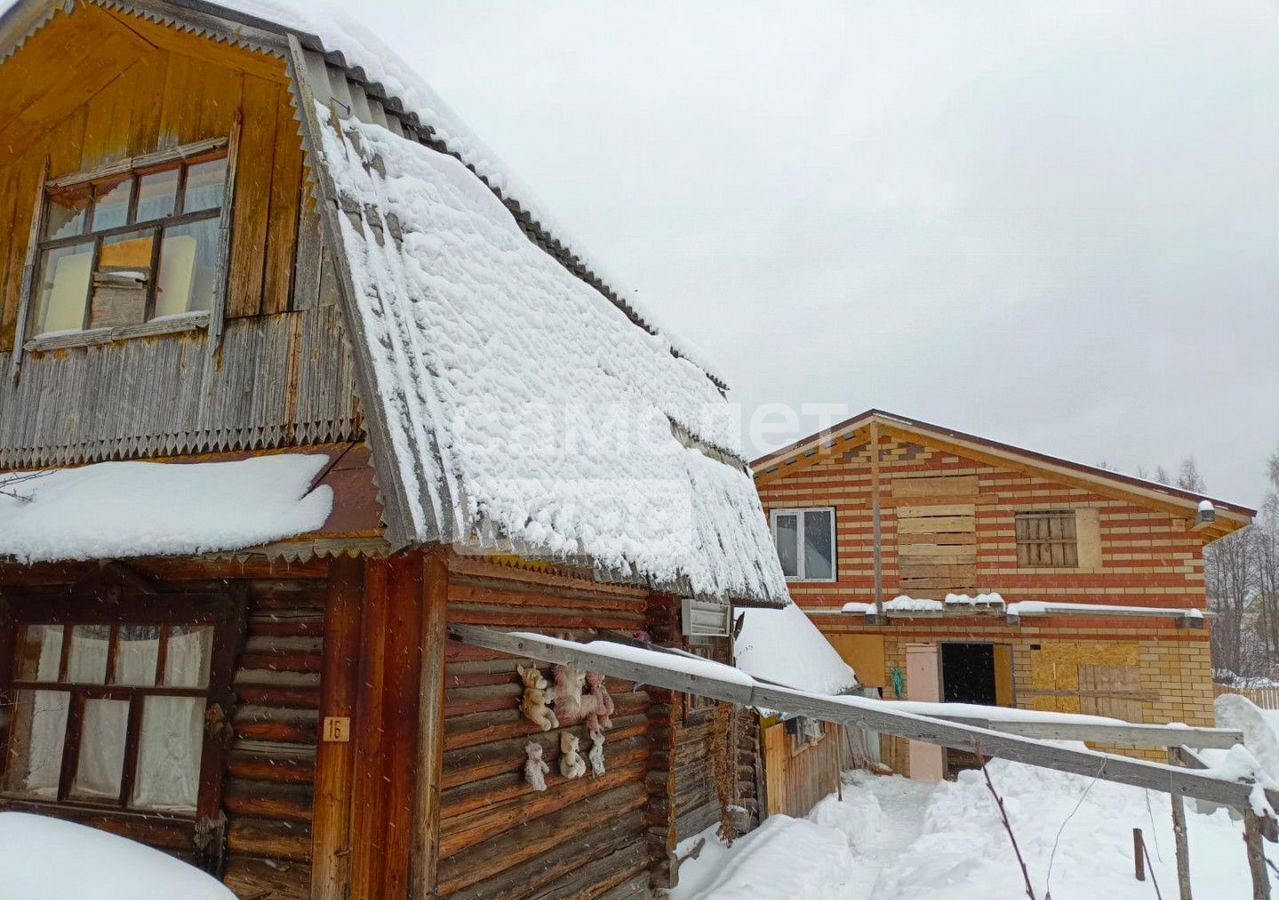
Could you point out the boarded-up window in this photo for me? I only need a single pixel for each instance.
(1047, 538)
(1113, 691)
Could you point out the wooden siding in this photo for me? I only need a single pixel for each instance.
(101, 86)
(168, 395)
(584, 837)
(797, 779)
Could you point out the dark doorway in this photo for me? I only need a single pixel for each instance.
(968, 673)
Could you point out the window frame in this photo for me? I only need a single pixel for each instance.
(115, 606)
(799, 511)
(1020, 542)
(133, 168)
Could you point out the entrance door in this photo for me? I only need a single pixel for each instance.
(981, 674)
(923, 682)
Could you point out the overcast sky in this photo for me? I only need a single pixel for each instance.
(1051, 223)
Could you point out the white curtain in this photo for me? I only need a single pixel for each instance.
(106, 722)
(173, 729)
(47, 714)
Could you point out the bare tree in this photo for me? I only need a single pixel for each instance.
(1188, 477)
(1230, 575)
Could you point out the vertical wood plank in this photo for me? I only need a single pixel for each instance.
(331, 825)
(252, 198)
(430, 746)
(368, 827)
(876, 524)
(401, 717)
(286, 195)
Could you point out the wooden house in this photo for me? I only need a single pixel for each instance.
(293, 381)
(947, 566)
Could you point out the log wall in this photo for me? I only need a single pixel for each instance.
(498, 837)
(269, 789)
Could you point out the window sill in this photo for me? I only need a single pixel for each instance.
(93, 336)
(794, 579)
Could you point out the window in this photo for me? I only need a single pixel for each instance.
(705, 648)
(805, 543)
(107, 710)
(130, 247)
(1047, 538)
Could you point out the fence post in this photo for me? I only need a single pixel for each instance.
(1179, 832)
(1138, 855)
(1256, 855)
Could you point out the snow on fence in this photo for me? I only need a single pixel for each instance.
(1265, 697)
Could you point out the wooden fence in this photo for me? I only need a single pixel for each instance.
(799, 773)
(1265, 697)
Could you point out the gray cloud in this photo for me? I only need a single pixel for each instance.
(1050, 223)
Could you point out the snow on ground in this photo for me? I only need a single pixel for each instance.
(895, 839)
(48, 859)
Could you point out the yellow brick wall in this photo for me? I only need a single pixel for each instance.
(1173, 664)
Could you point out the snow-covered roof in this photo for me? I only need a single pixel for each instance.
(344, 38)
(514, 400)
(522, 406)
(128, 509)
(784, 646)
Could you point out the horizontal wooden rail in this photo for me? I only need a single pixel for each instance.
(677, 673)
(1151, 736)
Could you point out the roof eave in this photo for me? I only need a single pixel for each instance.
(766, 466)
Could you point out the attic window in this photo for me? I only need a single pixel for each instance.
(140, 244)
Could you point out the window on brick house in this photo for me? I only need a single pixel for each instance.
(130, 247)
(1047, 539)
(805, 543)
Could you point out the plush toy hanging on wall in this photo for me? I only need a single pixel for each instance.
(597, 753)
(598, 718)
(533, 705)
(571, 763)
(535, 768)
(569, 682)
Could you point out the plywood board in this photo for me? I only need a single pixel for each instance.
(936, 486)
(865, 653)
(935, 524)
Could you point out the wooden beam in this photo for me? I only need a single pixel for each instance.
(1180, 837)
(331, 825)
(397, 513)
(430, 746)
(877, 526)
(734, 687)
(400, 718)
(1152, 736)
(369, 800)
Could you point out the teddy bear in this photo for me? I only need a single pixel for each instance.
(571, 763)
(535, 768)
(598, 718)
(596, 755)
(569, 682)
(533, 705)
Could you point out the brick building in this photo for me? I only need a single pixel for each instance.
(952, 567)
